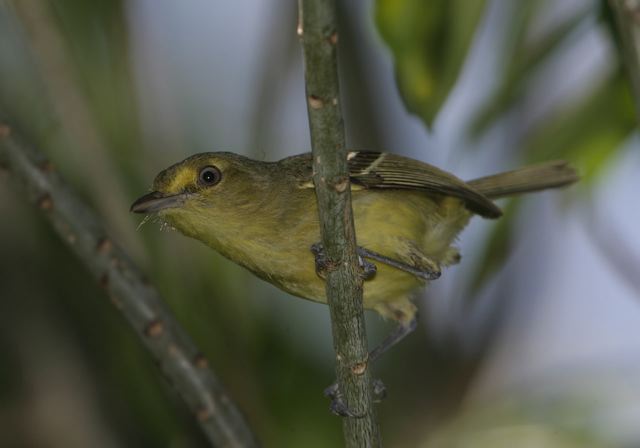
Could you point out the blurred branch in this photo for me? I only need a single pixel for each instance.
(72, 109)
(605, 237)
(178, 357)
(318, 33)
(360, 93)
(276, 59)
(627, 14)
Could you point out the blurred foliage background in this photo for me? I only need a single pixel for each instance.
(532, 341)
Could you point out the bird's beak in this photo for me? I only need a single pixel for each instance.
(156, 201)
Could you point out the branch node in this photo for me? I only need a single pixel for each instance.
(154, 329)
(104, 245)
(173, 350)
(200, 361)
(46, 167)
(340, 183)
(315, 102)
(5, 131)
(45, 202)
(359, 368)
(203, 414)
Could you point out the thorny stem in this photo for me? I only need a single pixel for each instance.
(138, 301)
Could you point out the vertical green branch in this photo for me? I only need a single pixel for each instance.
(318, 33)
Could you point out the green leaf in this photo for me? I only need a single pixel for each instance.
(524, 57)
(429, 41)
(588, 132)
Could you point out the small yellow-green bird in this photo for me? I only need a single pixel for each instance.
(263, 216)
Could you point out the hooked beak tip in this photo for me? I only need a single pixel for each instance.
(156, 201)
(141, 204)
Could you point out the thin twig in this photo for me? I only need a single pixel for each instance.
(176, 354)
(86, 147)
(317, 29)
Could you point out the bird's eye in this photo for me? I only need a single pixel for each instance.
(209, 175)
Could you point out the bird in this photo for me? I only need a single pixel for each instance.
(407, 215)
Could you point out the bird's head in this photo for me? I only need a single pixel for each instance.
(205, 190)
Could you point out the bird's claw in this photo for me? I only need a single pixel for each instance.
(337, 405)
(379, 390)
(322, 262)
(367, 269)
(340, 408)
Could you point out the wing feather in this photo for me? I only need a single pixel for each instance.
(384, 170)
(374, 170)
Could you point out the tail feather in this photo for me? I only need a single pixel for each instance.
(538, 177)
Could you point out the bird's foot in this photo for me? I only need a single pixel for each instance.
(340, 408)
(323, 264)
(424, 268)
(338, 405)
(367, 269)
(379, 390)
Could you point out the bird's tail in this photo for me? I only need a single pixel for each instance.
(542, 176)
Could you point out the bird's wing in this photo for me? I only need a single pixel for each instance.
(383, 170)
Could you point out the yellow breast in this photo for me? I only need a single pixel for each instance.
(397, 224)
(400, 224)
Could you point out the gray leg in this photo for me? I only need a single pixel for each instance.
(368, 268)
(398, 334)
(425, 274)
(338, 406)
